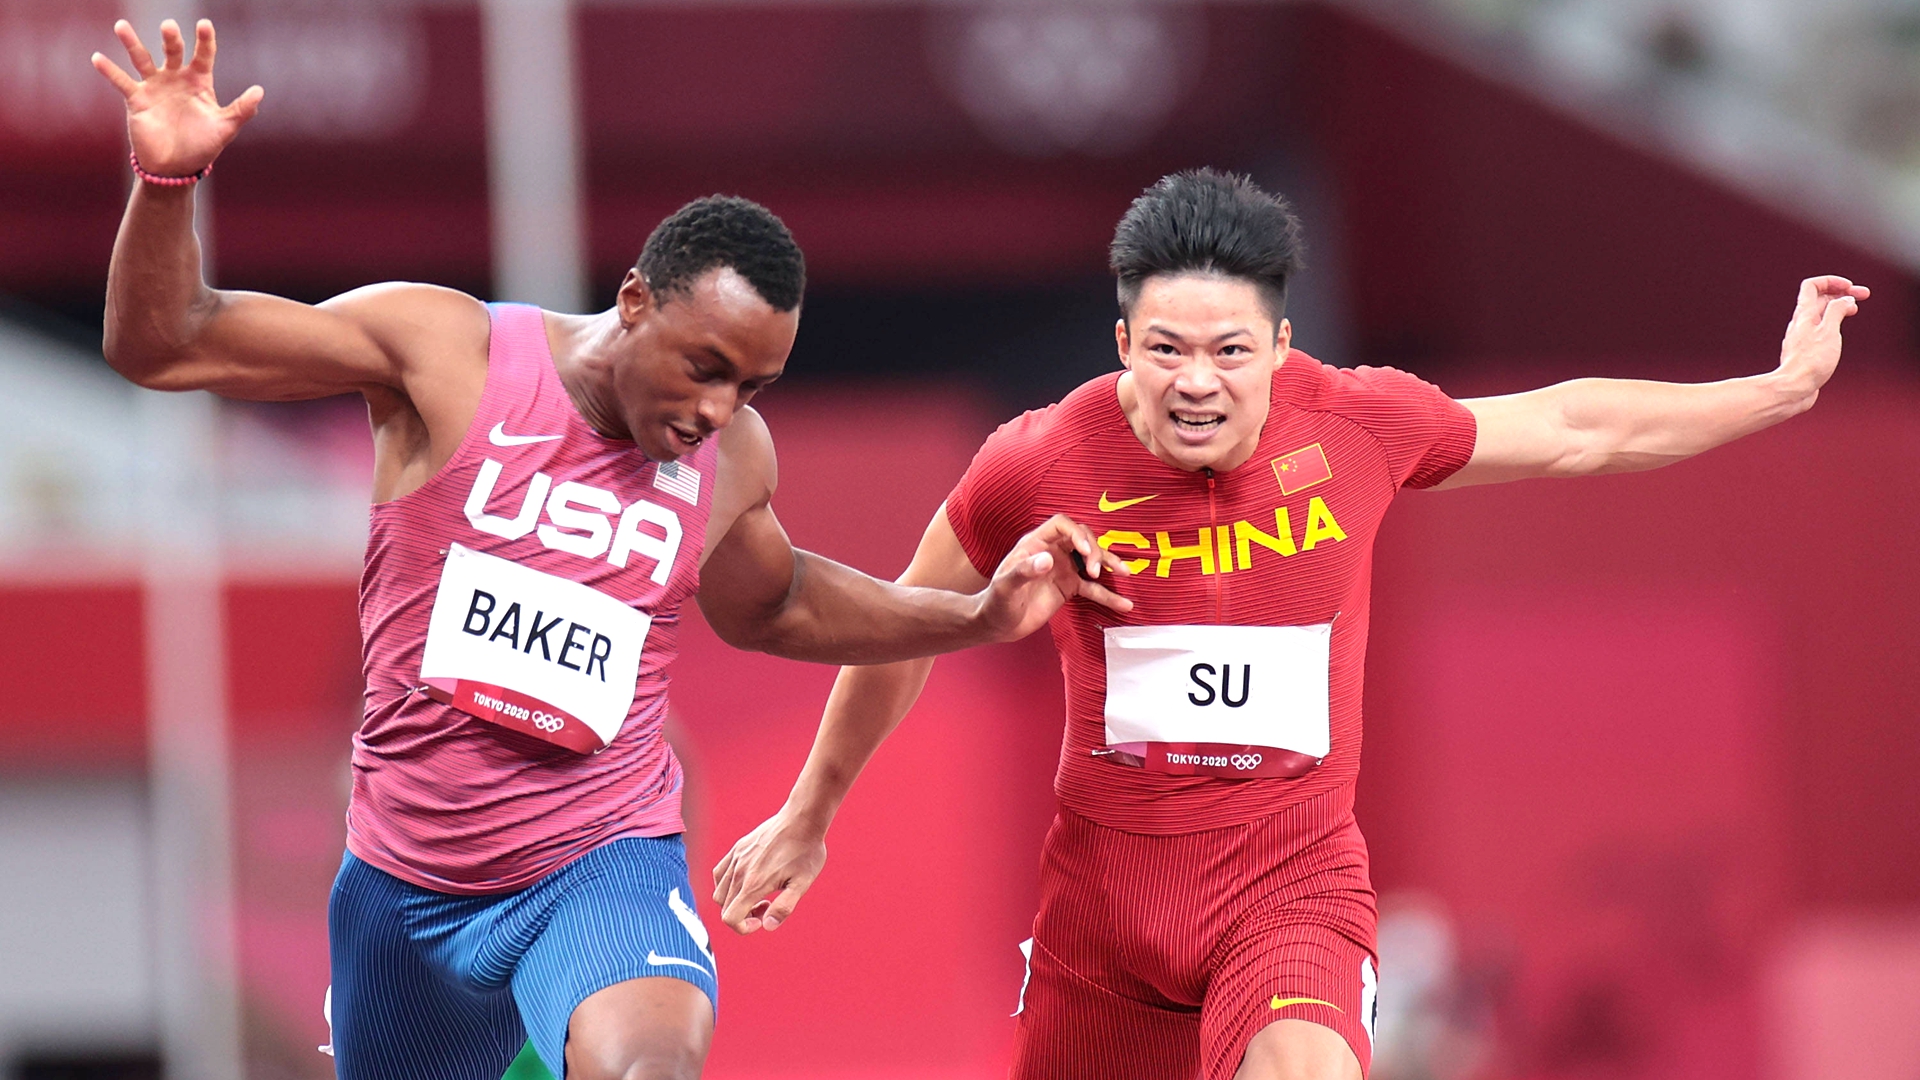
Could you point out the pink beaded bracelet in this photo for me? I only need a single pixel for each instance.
(169, 181)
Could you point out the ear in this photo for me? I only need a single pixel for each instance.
(1283, 338)
(634, 300)
(1124, 342)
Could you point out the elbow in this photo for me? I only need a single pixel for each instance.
(748, 634)
(1621, 460)
(1599, 450)
(742, 638)
(151, 351)
(1582, 453)
(142, 366)
(1593, 458)
(151, 371)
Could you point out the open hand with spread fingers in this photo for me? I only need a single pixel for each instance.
(176, 125)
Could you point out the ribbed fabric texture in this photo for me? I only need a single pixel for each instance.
(1378, 430)
(454, 803)
(1161, 957)
(428, 986)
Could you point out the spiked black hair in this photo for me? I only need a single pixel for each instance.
(1207, 222)
(724, 230)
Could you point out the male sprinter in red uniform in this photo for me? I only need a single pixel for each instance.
(549, 489)
(1205, 901)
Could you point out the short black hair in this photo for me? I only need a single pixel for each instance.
(1207, 222)
(725, 230)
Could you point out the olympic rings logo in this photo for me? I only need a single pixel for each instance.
(1243, 762)
(548, 722)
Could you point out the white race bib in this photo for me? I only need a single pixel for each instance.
(1219, 700)
(531, 651)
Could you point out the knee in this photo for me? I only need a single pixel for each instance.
(660, 1057)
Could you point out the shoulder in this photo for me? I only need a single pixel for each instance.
(1376, 398)
(1424, 434)
(1046, 434)
(1309, 384)
(411, 308)
(747, 440)
(999, 497)
(748, 468)
(418, 326)
(1379, 382)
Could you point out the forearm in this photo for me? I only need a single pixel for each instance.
(867, 703)
(834, 614)
(156, 297)
(1623, 425)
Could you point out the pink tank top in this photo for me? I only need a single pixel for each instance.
(525, 582)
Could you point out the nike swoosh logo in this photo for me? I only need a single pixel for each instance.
(657, 960)
(1279, 1002)
(499, 437)
(1108, 506)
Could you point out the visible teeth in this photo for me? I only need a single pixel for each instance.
(1198, 421)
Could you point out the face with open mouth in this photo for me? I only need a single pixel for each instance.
(1200, 351)
(692, 360)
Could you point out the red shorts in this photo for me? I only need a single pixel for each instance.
(1163, 956)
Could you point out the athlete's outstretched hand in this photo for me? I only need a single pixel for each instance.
(762, 879)
(1812, 347)
(1041, 574)
(176, 125)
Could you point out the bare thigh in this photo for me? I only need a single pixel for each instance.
(1298, 1050)
(641, 1029)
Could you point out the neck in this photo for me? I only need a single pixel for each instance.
(582, 348)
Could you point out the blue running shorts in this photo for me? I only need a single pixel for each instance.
(432, 986)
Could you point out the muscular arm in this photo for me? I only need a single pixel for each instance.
(417, 353)
(787, 852)
(1590, 426)
(868, 702)
(167, 330)
(759, 592)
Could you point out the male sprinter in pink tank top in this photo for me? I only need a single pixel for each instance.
(549, 489)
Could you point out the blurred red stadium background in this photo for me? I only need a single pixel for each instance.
(1640, 747)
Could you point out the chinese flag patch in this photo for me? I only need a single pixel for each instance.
(1301, 469)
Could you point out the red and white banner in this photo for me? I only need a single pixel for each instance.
(517, 711)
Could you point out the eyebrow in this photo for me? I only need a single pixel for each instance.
(1156, 328)
(734, 370)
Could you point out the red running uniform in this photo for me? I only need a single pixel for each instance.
(1205, 876)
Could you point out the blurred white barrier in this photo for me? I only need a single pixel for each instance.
(292, 484)
(533, 153)
(76, 932)
(190, 775)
